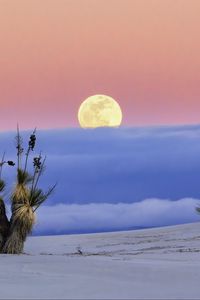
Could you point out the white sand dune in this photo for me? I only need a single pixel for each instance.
(160, 263)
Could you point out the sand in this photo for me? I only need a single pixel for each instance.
(159, 263)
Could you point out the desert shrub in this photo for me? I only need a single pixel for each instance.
(26, 197)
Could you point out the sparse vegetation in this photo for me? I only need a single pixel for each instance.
(25, 198)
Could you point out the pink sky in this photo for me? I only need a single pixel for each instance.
(56, 53)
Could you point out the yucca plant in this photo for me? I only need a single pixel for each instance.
(4, 223)
(26, 197)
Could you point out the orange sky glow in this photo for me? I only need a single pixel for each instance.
(56, 53)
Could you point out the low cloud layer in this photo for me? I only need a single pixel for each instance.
(109, 172)
(62, 218)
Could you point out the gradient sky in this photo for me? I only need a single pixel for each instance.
(55, 53)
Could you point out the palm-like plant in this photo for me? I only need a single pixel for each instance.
(26, 197)
(22, 219)
(4, 223)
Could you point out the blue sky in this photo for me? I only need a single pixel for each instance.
(115, 179)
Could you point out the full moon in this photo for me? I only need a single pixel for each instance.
(99, 111)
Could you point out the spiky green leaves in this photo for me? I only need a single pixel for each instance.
(23, 177)
(38, 197)
(21, 192)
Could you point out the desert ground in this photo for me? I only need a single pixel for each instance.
(158, 263)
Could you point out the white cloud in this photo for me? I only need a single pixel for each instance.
(94, 217)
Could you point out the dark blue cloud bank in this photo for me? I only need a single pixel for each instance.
(115, 179)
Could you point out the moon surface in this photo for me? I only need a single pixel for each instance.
(99, 111)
